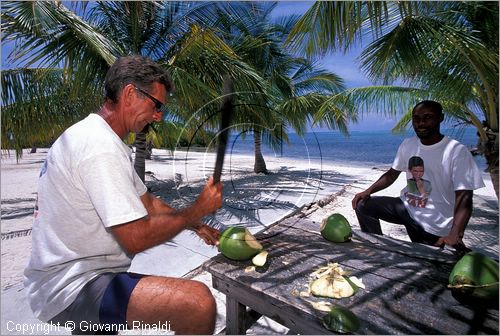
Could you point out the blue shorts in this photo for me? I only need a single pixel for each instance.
(103, 301)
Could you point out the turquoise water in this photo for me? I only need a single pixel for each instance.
(360, 148)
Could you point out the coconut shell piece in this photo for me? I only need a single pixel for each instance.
(260, 259)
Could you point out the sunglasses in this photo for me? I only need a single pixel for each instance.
(160, 107)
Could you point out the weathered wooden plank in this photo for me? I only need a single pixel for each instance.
(300, 223)
(413, 250)
(292, 226)
(383, 242)
(405, 293)
(360, 255)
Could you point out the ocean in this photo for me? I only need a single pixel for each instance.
(360, 148)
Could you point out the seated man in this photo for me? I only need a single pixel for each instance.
(439, 217)
(94, 213)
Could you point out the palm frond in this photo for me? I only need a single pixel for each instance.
(36, 114)
(403, 122)
(47, 32)
(336, 111)
(385, 100)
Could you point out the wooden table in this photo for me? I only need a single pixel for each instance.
(406, 285)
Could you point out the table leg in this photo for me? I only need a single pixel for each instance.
(236, 315)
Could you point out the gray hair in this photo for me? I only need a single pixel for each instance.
(137, 70)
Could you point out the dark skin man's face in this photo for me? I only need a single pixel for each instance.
(426, 124)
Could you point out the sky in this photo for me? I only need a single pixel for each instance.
(343, 65)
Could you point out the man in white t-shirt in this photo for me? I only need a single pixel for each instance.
(94, 213)
(440, 215)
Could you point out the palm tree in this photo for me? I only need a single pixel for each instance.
(295, 87)
(83, 43)
(447, 49)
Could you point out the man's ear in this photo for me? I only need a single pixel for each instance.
(128, 94)
(441, 118)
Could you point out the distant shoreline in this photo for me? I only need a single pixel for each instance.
(181, 151)
(373, 149)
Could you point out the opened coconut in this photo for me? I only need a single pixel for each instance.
(331, 281)
(336, 287)
(475, 276)
(336, 228)
(341, 320)
(237, 243)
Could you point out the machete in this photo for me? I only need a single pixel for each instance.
(226, 113)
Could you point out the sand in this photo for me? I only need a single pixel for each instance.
(294, 188)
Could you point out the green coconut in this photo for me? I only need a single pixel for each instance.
(237, 243)
(341, 320)
(475, 275)
(336, 228)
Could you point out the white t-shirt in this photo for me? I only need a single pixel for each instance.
(448, 166)
(87, 184)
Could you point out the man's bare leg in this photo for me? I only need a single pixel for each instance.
(187, 305)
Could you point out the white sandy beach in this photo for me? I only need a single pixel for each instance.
(294, 187)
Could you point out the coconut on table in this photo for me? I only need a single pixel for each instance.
(237, 243)
(474, 279)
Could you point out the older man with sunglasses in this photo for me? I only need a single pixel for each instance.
(94, 213)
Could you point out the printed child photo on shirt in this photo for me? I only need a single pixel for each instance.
(418, 189)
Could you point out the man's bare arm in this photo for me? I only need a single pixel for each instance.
(383, 182)
(164, 223)
(155, 205)
(461, 216)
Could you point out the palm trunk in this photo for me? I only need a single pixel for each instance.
(149, 150)
(491, 156)
(260, 164)
(140, 155)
